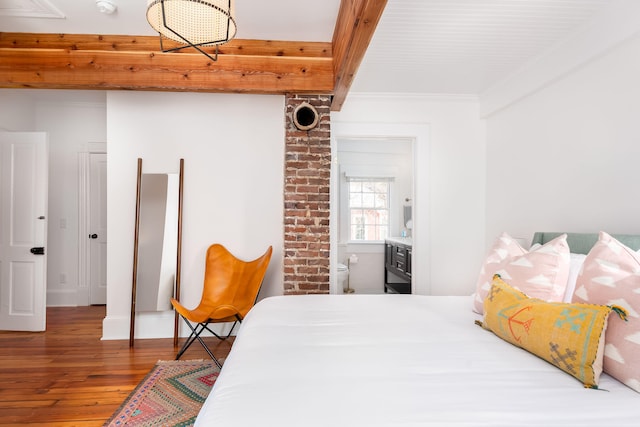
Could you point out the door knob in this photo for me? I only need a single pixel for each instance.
(93, 236)
(37, 251)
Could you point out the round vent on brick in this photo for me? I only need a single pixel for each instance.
(305, 116)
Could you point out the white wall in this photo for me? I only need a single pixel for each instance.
(16, 111)
(233, 146)
(566, 158)
(450, 180)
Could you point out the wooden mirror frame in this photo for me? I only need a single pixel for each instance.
(134, 280)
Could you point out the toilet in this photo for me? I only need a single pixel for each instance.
(343, 276)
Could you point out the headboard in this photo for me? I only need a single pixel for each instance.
(581, 243)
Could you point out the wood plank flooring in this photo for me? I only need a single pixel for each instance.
(67, 376)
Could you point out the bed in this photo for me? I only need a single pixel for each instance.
(399, 360)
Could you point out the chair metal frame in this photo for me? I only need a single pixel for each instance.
(195, 335)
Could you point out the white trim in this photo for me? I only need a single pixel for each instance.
(82, 296)
(83, 231)
(618, 22)
(432, 97)
(116, 327)
(61, 298)
(152, 325)
(365, 174)
(334, 191)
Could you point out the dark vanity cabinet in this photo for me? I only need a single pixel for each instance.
(397, 266)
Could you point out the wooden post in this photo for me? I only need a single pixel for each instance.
(179, 254)
(135, 257)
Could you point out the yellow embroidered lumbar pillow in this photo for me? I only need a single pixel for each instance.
(569, 336)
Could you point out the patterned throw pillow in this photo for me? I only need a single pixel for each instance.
(569, 336)
(611, 275)
(540, 273)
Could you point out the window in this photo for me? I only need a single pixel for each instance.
(368, 209)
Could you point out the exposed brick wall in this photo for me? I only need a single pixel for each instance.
(306, 199)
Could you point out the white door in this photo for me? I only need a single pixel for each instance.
(23, 230)
(98, 229)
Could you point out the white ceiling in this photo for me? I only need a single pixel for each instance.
(423, 46)
(464, 46)
(288, 20)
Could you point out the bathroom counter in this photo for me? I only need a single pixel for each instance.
(407, 241)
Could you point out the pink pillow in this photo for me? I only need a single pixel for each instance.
(611, 276)
(541, 273)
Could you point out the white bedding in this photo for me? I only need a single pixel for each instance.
(395, 360)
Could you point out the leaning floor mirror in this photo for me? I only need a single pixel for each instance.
(157, 244)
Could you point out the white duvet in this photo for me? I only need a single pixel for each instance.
(395, 360)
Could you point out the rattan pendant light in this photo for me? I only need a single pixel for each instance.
(194, 23)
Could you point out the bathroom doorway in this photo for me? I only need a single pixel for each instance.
(375, 191)
(391, 153)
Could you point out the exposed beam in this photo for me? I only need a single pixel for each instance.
(122, 43)
(90, 61)
(121, 62)
(357, 21)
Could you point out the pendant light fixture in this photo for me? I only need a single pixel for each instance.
(194, 23)
(107, 7)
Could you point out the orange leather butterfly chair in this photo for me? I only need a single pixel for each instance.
(231, 288)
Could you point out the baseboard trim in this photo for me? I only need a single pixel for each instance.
(151, 325)
(62, 298)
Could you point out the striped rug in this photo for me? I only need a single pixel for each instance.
(170, 395)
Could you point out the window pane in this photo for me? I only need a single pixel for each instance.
(381, 200)
(367, 200)
(355, 200)
(382, 187)
(368, 210)
(368, 186)
(355, 186)
(370, 217)
(371, 232)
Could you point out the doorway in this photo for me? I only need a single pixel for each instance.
(417, 134)
(375, 192)
(92, 234)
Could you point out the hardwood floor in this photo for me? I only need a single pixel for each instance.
(67, 376)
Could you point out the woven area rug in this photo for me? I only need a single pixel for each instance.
(170, 395)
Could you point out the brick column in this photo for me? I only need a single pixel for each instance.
(306, 199)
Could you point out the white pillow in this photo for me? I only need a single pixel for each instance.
(575, 266)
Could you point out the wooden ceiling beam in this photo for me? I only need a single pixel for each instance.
(134, 63)
(357, 21)
(91, 61)
(120, 43)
